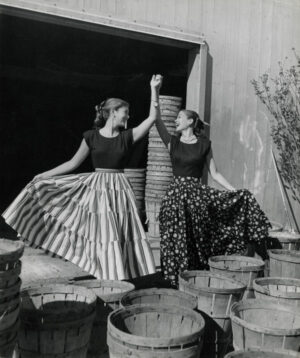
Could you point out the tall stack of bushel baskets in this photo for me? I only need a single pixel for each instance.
(159, 170)
(10, 269)
(137, 179)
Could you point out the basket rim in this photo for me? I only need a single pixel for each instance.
(16, 248)
(253, 303)
(159, 342)
(285, 255)
(285, 236)
(213, 262)
(108, 297)
(203, 273)
(258, 285)
(59, 288)
(287, 353)
(162, 291)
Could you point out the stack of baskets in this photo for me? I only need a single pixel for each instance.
(137, 179)
(10, 269)
(159, 169)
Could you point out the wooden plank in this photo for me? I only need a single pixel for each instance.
(195, 97)
(37, 265)
(122, 27)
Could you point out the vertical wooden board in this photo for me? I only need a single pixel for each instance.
(242, 119)
(151, 12)
(166, 13)
(137, 10)
(251, 103)
(195, 15)
(181, 19)
(228, 125)
(122, 9)
(151, 326)
(217, 49)
(140, 324)
(165, 324)
(263, 128)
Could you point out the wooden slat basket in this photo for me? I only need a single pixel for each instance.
(10, 283)
(258, 353)
(215, 295)
(286, 240)
(279, 290)
(263, 324)
(109, 294)
(56, 321)
(10, 253)
(241, 268)
(155, 296)
(155, 331)
(284, 263)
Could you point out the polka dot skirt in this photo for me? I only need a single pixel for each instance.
(197, 221)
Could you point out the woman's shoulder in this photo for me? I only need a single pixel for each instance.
(89, 135)
(204, 140)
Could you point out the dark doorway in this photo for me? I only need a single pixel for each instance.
(52, 76)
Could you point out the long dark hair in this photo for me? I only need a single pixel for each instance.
(104, 108)
(198, 124)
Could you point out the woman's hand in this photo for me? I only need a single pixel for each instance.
(156, 81)
(41, 176)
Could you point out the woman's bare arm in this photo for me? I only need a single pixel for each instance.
(217, 176)
(142, 129)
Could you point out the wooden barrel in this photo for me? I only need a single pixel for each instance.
(10, 253)
(263, 324)
(109, 294)
(215, 295)
(56, 321)
(287, 240)
(160, 331)
(279, 290)
(240, 268)
(156, 296)
(258, 353)
(284, 263)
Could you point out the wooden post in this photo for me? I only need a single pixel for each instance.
(195, 96)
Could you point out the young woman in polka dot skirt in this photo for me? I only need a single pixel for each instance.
(197, 221)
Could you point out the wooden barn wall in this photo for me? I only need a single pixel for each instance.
(245, 38)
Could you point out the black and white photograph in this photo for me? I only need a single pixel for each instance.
(150, 182)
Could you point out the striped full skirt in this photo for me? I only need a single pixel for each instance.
(89, 219)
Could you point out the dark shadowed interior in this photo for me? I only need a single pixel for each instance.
(52, 76)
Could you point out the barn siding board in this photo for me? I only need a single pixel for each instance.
(245, 38)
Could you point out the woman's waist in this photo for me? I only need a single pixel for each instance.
(108, 170)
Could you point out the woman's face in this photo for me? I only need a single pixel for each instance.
(182, 122)
(121, 116)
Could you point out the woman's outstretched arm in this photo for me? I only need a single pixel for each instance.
(162, 131)
(139, 131)
(70, 165)
(217, 176)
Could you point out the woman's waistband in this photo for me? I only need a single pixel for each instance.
(104, 170)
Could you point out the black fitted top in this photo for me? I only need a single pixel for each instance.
(188, 160)
(108, 153)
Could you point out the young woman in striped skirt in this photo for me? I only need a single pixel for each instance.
(91, 219)
(197, 221)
